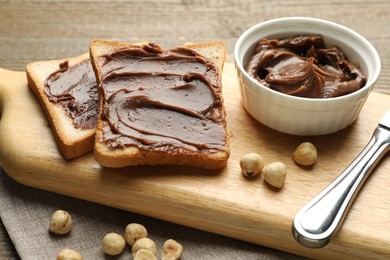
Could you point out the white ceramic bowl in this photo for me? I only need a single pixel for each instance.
(297, 115)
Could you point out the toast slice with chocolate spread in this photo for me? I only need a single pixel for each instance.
(67, 92)
(160, 106)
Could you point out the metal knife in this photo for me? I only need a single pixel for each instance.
(319, 220)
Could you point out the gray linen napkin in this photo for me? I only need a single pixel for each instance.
(26, 212)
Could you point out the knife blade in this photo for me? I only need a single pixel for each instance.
(385, 120)
(320, 219)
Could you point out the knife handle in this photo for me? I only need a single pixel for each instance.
(319, 220)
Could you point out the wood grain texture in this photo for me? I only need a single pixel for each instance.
(32, 30)
(223, 202)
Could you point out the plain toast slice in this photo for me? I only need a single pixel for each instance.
(72, 140)
(129, 155)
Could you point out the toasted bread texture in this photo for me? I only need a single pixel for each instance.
(72, 141)
(130, 155)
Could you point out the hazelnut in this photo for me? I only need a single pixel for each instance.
(144, 243)
(133, 232)
(68, 254)
(305, 154)
(144, 254)
(251, 164)
(113, 244)
(172, 250)
(60, 222)
(275, 174)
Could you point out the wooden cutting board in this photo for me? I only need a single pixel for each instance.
(223, 202)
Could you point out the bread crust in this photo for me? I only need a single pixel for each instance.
(71, 142)
(131, 155)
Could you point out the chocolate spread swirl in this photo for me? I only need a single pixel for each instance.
(74, 88)
(303, 66)
(165, 100)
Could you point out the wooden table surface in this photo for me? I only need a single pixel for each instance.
(32, 30)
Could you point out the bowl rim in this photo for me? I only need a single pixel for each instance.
(368, 86)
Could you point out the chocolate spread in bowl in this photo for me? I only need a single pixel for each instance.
(302, 66)
(165, 100)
